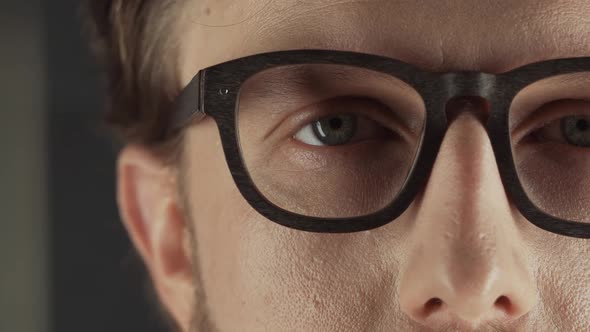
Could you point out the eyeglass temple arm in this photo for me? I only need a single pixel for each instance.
(188, 107)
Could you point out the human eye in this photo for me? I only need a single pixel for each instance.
(567, 124)
(339, 129)
(571, 130)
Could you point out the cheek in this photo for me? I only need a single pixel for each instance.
(257, 274)
(257, 271)
(563, 279)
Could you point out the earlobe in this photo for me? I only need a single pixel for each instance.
(150, 209)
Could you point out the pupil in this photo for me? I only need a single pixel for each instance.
(335, 130)
(582, 125)
(336, 123)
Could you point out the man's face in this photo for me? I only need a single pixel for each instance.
(460, 257)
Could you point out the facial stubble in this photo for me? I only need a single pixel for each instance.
(201, 319)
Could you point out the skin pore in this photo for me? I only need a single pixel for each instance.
(461, 241)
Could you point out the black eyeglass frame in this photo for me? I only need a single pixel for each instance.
(214, 91)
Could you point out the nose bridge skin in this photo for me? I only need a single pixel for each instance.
(467, 264)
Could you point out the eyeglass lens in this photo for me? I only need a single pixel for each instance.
(328, 140)
(338, 141)
(550, 137)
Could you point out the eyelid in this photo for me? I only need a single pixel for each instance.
(380, 113)
(555, 89)
(366, 129)
(549, 113)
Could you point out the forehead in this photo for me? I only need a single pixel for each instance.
(438, 35)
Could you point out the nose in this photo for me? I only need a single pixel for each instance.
(467, 264)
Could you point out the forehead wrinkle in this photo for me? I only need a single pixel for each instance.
(224, 13)
(492, 36)
(496, 37)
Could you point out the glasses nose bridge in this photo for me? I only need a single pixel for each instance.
(469, 84)
(468, 90)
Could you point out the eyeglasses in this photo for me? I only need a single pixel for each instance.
(335, 141)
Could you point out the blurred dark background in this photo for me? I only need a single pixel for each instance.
(67, 264)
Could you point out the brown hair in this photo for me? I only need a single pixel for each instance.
(136, 43)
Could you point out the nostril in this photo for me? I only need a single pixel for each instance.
(504, 304)
(431, 306)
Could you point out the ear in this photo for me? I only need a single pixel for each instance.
(149, 206)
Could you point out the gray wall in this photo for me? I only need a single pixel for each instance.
(97, 284)
(23, 223)
(66, 263)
